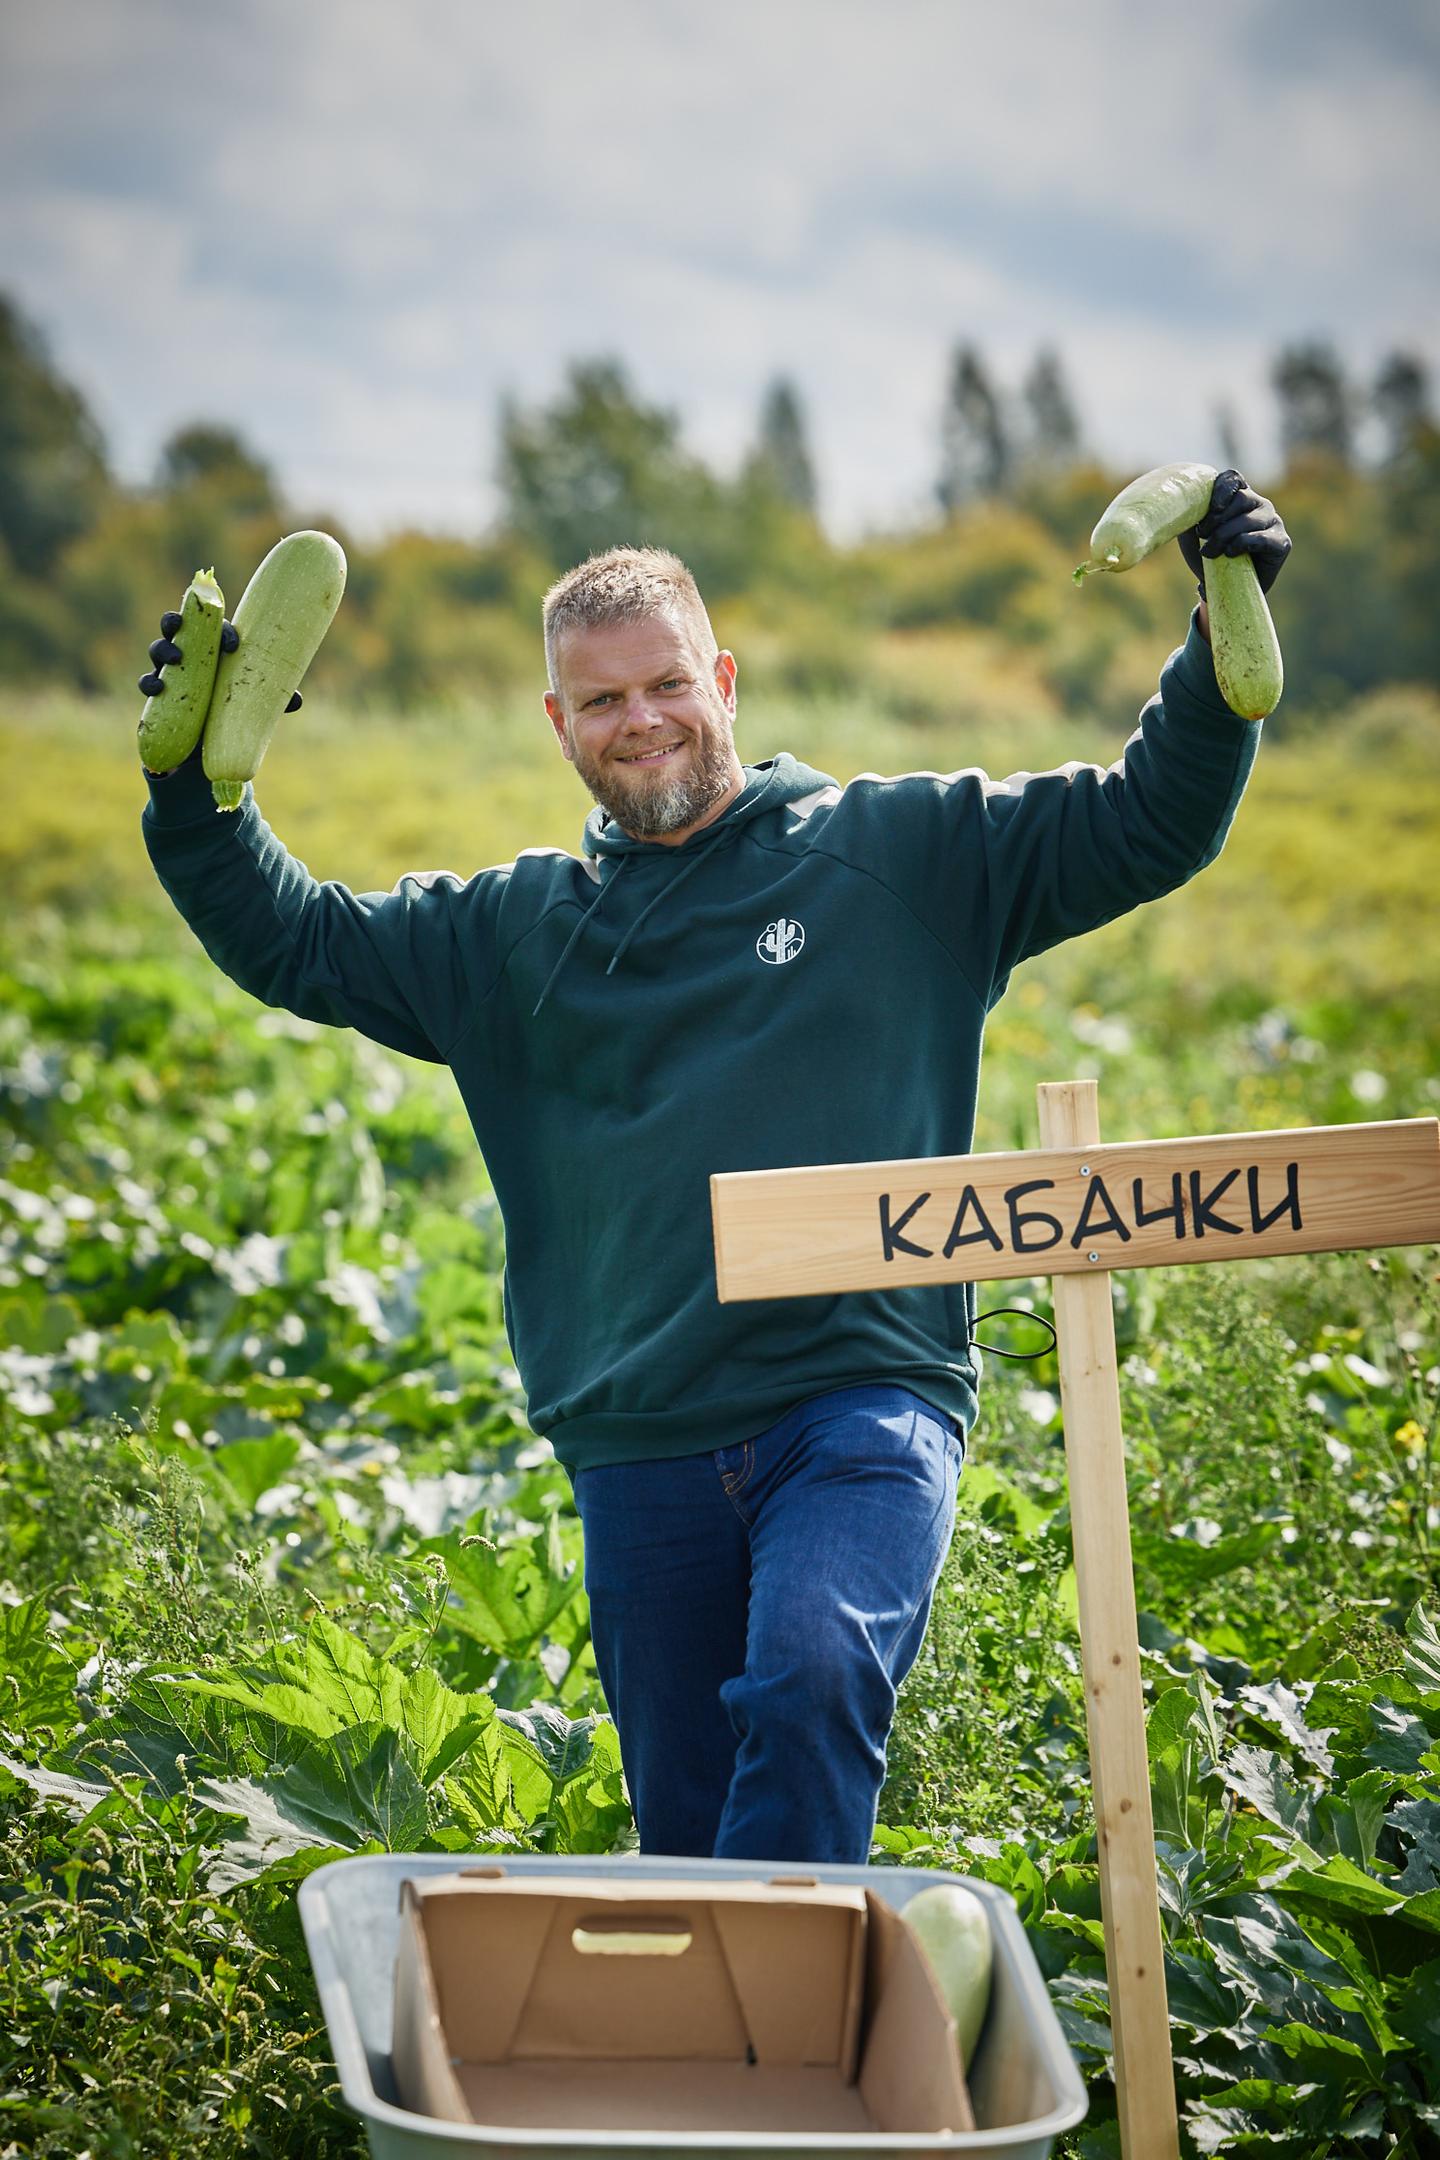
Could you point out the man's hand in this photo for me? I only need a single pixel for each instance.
(164, 652)
(1238, 522)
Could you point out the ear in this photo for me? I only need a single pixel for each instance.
(725, 672)
(557, 720)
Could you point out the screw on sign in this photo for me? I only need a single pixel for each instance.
(1146, 1203)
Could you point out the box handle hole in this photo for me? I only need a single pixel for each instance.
(600, 1936)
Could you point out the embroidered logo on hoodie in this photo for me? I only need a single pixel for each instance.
(780, 940)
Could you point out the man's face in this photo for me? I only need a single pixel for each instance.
(648, 725)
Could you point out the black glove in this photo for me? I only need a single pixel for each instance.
(165, 652)
(1238, 522)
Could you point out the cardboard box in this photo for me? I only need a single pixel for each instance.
(785, 2005)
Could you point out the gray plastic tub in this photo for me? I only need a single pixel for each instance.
(1024, 2085)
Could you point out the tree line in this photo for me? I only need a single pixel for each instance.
(83, 557)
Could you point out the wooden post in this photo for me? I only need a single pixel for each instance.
(1114, 1699)
(826, 1227)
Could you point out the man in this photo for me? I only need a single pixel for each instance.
(746, 967)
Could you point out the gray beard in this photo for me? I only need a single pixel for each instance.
(648, 811)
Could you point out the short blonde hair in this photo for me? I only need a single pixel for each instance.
(624, 585)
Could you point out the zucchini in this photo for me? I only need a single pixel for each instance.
(1243, 644)
(953, 1930)
(284, 612)
(1159, 506)
(170, 722)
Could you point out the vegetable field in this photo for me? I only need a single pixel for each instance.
(285, 1575)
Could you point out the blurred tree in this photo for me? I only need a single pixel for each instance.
(1054, 429)
(207, 456)
(782, 453)
(1400, 397)
(53, 475)
(975, 454)
(1316, 403)
(599, 469)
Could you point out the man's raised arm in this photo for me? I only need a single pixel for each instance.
(402, 967)
(1003, 869)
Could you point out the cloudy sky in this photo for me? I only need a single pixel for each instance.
(348, 226)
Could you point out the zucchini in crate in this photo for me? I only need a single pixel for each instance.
(170, 722)
(1159, 506)
(283, 615)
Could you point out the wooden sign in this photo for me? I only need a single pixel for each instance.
(1075, 1210)
(1145, 1203)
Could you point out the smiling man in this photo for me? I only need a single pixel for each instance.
(745, 967)
(644, 709)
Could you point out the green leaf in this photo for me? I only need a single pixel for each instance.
(1422, 1657)
(1423, 1911)
(1401, 1741)
(345, 1676)
(1415, 2015)
(37, 1682)
(1181, 1563)
(359, 1784)
(564, 1745)
(39, 1330)
(480, 1793)
(277, 1701)
(1260, 1777)
(73, 1793)
(1279, 1707)
(1265, 1951)
(1341, 1884)
(1175, 1723)
(439, 1723)
(253, 1467)
(1355, 1820)
(1197, 1994)
(268, 1835)
(591, 1810)
(506, 1596)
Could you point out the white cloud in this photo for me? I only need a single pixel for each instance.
(374, 220)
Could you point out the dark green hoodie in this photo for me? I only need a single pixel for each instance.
(804, 981)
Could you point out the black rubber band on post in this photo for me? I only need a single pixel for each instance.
(993, 1350)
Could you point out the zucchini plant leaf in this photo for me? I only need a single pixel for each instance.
(37, 1681)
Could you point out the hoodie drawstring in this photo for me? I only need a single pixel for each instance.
(593, 910)
(723, 834)
(701, 854)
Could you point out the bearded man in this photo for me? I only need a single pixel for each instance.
(745, 967)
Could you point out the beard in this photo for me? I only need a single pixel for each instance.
(649, 804)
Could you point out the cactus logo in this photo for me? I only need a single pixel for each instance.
(781, 940)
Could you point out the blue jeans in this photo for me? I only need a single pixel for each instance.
(754, 1609)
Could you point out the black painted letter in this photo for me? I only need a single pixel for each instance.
(1174, 1213)
(1203, 1209)
(1032, 1215)
(890, 1232)
(987, 1234)
(1085, 1228)
(1289, 1205)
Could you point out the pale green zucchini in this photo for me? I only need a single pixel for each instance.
(953, 1929)
(1157, 507)
(284, 613)
(1243, 644)
(170, 722)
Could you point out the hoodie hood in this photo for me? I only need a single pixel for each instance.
(774, 781)
(768, 786)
